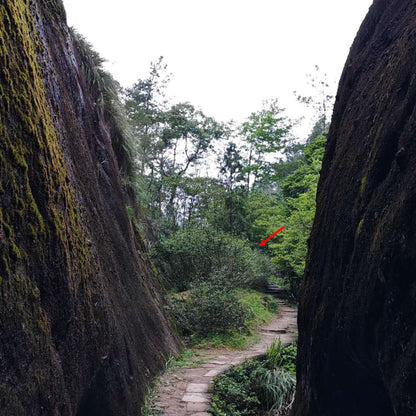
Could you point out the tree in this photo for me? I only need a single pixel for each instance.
(321, 101)
(145, 102)
(266, 132)
(186, 137)
(298, 191)
(232, 166)
(171, 141)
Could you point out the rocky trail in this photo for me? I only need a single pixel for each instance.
(186, 391)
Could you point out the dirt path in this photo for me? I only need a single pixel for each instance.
(186, 391)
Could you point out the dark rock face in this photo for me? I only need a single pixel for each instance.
(82, 327)
(357, 321)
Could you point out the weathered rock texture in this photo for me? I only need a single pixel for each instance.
(81, 322)
(357, 320)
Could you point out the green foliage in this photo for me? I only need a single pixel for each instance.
(275, 389)
(171, 141)
(265, 211)
(107, 92)
(214, 316)
(256, 386)
(289, 249)
(306, 176)
(229, 212)
(262, 307)
(148, 407)
(266, 132)
(232, 166)
(197, 254)
(130, 212)
(234, 393)
(279, 356)
(187, 358)
(212, 226)
(230, 339)
(188, 254)
(295, 209)
(209, 308)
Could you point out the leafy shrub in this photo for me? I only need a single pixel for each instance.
(298, 211)
(263, 385)
(209, 308)
(194, 254)
(213, 308)
(258, 309)
(259, 270)
(234, 392)
(271, 304)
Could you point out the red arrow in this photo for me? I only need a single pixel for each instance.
(263, 243)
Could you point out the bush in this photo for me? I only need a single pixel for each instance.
(262, 385)
(217, 316)
(209, 308)
(234, 392)
(195, 254)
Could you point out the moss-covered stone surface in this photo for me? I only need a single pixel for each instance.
(357, 321)
(81, 323)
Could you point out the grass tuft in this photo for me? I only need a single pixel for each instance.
(265, 385)
(106, 91)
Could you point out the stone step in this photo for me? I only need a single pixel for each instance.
(273, 331)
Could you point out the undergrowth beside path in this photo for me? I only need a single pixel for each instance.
(260, 309)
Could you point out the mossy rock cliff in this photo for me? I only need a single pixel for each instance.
(357, 321)
(81, 321)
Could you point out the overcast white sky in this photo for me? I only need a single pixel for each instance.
(226, 56)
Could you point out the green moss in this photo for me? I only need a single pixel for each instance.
(43, 323)
(143, 246)
(174, 325)
(379, 130)
(363, 185)
(139, 236)
(39, 216)
(130, 213)
(359, 228)
(30, 143)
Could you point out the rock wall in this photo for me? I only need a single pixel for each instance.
(357, 321)
(81, 321)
